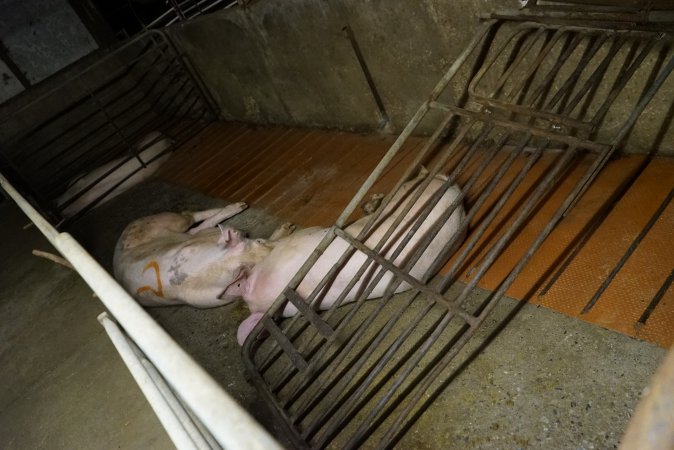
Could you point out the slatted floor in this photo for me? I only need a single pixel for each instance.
(308, 176)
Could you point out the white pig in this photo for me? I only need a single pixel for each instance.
(165, 260)
(161, 261)
(262, 283)
(161, 144)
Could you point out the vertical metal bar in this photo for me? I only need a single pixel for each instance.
(348, 32)
(633, 246)
(656, 299)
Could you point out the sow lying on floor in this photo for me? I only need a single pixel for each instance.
(160, 260)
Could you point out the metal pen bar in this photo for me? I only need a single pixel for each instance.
(116, 116)
(536, 196)
(400, 246)
(630, 250)
(656, 299)
(478, 172)
(229, 423)
(174, 427)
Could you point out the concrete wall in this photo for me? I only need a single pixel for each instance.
(42, 37)
(288, 61)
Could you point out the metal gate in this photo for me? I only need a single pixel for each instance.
(97, 115)
(525, 100)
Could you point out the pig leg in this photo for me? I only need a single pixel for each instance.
(284, 230)
(212, 217)
(247, 326)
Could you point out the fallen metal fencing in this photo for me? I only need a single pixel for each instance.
(99, 115)
(196, 412)
(526, 103)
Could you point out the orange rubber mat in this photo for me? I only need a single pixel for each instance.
(308, 176)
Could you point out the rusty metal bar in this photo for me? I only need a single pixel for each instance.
(370, 376)
(633, 246)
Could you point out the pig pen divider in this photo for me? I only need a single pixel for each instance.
(535, 101)
(188, 401)
(99, 114)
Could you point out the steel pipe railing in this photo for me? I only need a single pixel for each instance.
(230, 425)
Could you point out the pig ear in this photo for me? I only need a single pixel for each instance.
(228, 236)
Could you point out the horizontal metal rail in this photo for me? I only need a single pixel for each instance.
(230, 425)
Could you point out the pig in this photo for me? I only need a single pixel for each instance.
(260, 284)
(157, 142)
(166, 260)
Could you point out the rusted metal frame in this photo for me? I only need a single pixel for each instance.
(656, 300)
(250, 345)
(629, 123)
(287, 346)
(391, 288)
(562, 95)
(330, 276)
(503, 287)
(538, 132)
(408, 205)
(642, 19)
(484, 68)
(485, 193)
(97, 200)
(543, 188)
(363, 358)
(356, 393)
(119, 115)
(596, 77)
(401, 275)
(589, 100)
(85, 119)
(367, 289)
(136, 134)
(624, 77)
(116, 76)
(477, 234)
(630, 250)
(537, 98)
(302, 307)
(521, 48)
(441, 220)
(528, 111)
(534, 66)
(410, 326)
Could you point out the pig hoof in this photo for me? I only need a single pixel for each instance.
(284, 230)
(288, 227)
(371, 205)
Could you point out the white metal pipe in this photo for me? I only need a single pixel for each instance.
(162, 409)
(178, 409)
(230, 424)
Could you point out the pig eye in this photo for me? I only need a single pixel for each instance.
(259, 241)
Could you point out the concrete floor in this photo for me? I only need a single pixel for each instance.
(65, 386)
(545, 381)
